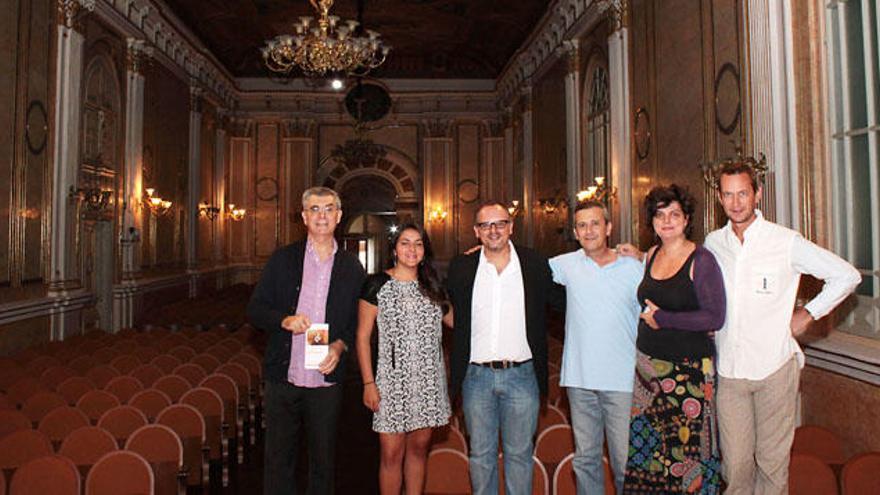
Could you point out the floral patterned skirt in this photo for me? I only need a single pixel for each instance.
(673, 444)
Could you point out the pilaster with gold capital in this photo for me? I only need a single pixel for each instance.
(195, 97)
(572, 55)
(572, 120)
(618, 12)
(137, 55)
(72, 12)
(194, 189)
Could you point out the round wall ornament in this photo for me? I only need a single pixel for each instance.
(267, 188)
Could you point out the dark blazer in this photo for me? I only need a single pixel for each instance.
(277, 295)
(537, 288)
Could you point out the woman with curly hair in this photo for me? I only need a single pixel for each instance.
(673, 437)
(408, 392)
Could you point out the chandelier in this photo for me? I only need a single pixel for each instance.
(328, 47)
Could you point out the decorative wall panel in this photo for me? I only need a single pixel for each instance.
(468, 170)
(266, 190)
(550, 172)
(679, 50)
(166, 138)
(297, 159)
(26, 40)
(241, 160)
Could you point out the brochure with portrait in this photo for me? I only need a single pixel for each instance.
(317, 345)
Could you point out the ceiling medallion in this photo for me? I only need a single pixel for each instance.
(328, 47)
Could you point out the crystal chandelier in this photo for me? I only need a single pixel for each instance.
(328, 47)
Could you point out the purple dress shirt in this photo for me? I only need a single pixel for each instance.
(312, 303)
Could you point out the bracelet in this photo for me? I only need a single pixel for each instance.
(368, 383)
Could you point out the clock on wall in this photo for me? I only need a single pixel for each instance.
(367, 102)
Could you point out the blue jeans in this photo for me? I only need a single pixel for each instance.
(505, 399)
(593, 411)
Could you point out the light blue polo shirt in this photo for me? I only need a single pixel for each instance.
(601, 321)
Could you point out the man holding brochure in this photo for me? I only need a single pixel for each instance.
(306, 300)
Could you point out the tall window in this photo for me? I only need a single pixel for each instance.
(854, 123)
(598, 125)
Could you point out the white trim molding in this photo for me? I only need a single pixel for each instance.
(846, 354)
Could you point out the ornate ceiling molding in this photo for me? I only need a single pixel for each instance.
(147, 20)
(330, 107)
(563, 21)
(178, 49)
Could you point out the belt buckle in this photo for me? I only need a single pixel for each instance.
(504, 364)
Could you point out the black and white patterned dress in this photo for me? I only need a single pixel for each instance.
(410, 374)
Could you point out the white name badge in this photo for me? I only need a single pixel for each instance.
(317, 345)
(765, 283)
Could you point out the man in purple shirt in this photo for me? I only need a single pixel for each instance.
(305, 283)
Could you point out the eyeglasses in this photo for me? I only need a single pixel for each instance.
(317, 210)
(497, 225)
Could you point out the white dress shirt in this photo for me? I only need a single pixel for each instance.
(498, 313)
(761, 278)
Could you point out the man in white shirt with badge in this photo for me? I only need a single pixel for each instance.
(759, 359)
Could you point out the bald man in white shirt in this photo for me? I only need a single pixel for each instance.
(759, 359)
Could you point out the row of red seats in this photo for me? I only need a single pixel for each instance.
(114, 473)
(216, 374)
(225, 306)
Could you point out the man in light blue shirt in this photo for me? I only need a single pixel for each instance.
(599, 356)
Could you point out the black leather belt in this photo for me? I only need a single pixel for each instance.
(502, 365)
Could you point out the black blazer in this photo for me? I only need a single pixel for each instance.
(537, 288)
(277, 294)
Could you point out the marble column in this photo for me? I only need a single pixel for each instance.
(574, 180)
(130, 233)
(191, 208)
(621, 154)
(133, 160)
(771, 90)
(508, 192)
(528, 169)
(64, 275)
(219, 199)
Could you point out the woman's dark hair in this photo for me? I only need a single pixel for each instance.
(663, 196)
(429, 282)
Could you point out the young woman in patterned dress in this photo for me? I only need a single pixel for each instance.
(673, 446)
(407, 394)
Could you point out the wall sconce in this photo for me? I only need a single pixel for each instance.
(552, 205)
(513, 209)
(208, 211)
(157, 205)
(599, 191)
(235, 214)
(94, 198)
(437, 215)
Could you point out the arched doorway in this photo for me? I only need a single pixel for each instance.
(369, 216)
(379, 187)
